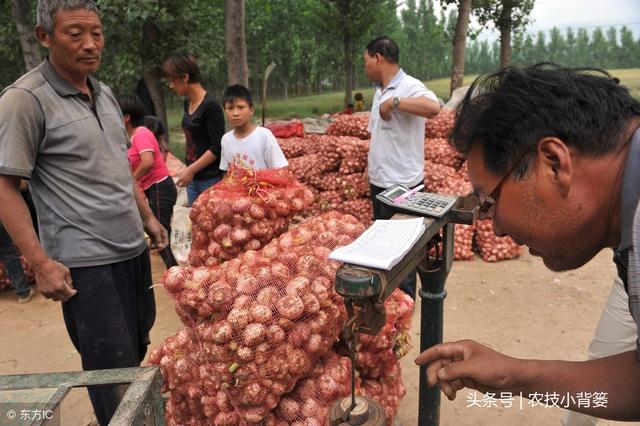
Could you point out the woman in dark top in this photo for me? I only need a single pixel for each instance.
(203, 125)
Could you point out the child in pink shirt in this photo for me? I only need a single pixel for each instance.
(149, 168)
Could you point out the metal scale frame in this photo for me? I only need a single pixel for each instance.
(365, 290)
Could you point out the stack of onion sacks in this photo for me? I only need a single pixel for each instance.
(244, 212)
(351, 125)
(261, 321)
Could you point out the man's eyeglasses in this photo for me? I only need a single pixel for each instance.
(485, 207)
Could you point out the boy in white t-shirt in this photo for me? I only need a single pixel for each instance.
(247, 144)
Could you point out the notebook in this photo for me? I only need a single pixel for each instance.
(383, 245)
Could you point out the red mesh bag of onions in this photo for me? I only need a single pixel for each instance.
(360, 208)
(375, 354)
(354, 154)
(292, 147)
(388, 390)
(447, 181)
(350, 125)
(493, 248)
(436, 176)
(309, 402)
(243, 212)
(438, 150)
(441, 125)
(5, 282)
(260, 322)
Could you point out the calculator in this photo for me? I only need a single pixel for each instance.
(400, 198)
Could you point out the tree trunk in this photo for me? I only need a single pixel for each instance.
(21, 13)
(234, 40)
(348, 67)
(151, 72)
(460, 45)
(286, 89)
(504, 24)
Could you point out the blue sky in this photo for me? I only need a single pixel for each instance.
(580, 13)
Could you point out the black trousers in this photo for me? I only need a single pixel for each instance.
(162, 197)
(109, 320)
(380, 211)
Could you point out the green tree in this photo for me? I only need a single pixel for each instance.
(629, 52)
(350, 19)
(140, 34)
(459, 44)
(11, 61)
(582, 48)
(412, 31)
(598, 49)
(528, 55)
(611, 57)
(556, 48)
(509, 17)
(570, 46)
(540, 50)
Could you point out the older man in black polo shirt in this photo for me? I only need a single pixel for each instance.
(63, 130)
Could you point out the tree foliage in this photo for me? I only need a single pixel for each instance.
(304, 39)
(616, 49)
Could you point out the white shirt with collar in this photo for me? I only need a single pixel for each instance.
(396, 153)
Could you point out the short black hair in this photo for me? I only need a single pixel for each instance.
(179, 64)
(154, 124)
(132, 105)
(386, 47)
(510, 110)
(358, 96)
(237, 91)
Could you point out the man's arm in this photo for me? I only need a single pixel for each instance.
(420, 106)
(153, 227)
(469, 364)
(52, 278)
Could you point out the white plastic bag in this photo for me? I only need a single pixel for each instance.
(181, 229)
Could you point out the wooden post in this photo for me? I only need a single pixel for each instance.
(267, 73)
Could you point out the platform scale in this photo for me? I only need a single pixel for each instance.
(365, 289)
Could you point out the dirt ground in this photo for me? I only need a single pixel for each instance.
(517, 307)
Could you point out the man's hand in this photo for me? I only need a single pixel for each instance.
(53, 279)
(184, 177)
(157, 233)
(466, 363)
(386, 108)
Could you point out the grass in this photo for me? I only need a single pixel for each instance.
(313, 106)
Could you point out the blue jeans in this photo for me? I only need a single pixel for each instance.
(197, 187)
(9, 256)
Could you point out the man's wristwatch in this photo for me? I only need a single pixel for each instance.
(396, 102)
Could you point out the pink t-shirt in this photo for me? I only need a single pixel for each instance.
(143, 140)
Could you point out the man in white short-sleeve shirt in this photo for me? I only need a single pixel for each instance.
(396, 123)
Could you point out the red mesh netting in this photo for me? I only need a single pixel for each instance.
(287, 129)
(441, 125)
(259, 324)
(243, 212)
(438, 150)
(388, 390)
(493, 248)
(5, 282)
(292, 147)
(350, 125)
